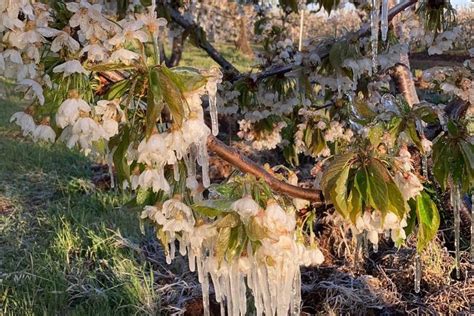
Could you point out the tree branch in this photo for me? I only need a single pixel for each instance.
(246, 165)
(202, 42)
(323, 49)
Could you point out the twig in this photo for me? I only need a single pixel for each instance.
(246, 165)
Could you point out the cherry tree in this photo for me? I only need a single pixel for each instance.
(99, 80)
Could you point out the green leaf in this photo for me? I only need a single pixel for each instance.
(308, 135)
(361, 184)
(441, 162)
(188, 79)
(395, 126)
(411, 128)
(172, 95)
(154, 101)
(117, 90)
(377, 192)
(425, 113)
(331, 174)
(237, 242)
(222, 243)
(363, 109)
(255, 231)
(230, 220)
(212, 208)
(428, 220)
(119, 159)
(397, 204)
(318, 142)
(108, 67)
(142, 196)
(339, 195)
(376, 135)
(355, 203)
(453, 129)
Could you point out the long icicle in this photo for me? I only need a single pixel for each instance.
(384, 20)
(417, 273)
(374, 31)
(472, 228)
(456, 204)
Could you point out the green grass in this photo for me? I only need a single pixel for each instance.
(198, 58)
(64, 248)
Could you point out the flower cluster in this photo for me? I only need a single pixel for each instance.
(261, 140)
(270, 270)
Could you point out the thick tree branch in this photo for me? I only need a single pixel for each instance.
(196, 30)
(323, 49)
(246, 165)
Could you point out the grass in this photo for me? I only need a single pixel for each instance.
(62, 246)
(198, 58)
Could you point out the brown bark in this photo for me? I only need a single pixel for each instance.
(246, 165)
(243, 42)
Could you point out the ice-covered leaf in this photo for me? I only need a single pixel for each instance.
(255, 231)
(377, 185)
(428, 220)
(212, 208)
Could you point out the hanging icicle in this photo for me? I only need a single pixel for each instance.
(417, 273)
(300, 41)
(374, 31)
(214, 114)
(384, 20)
(456, 203)
(424, 165)
(215, 77)
(110, 164)
(472, 228)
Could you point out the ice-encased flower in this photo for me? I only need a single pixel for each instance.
(35, 87)
(70, 67)
(69, 111)
(246, 207)
(155, 179)
(151, 151)
(45, 133)
(277, 220)
(25, 121)
(409, 184)
(124, 56)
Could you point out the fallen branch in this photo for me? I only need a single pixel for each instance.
(246, 165)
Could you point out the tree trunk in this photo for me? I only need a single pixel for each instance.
(243, 43)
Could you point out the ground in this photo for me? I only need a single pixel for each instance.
(69, 248)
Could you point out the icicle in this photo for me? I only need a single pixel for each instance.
(203, 159)
(204, 280)
(374, 31)
(417, 273)
(176, 171)
(339, 88)
(456, 204)
(296, 297)
(213, 112)
(300, 42)
(384, 20)
(472, 228)
(110, 163)
(365, 244)
(375, 247)
(424, 165)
